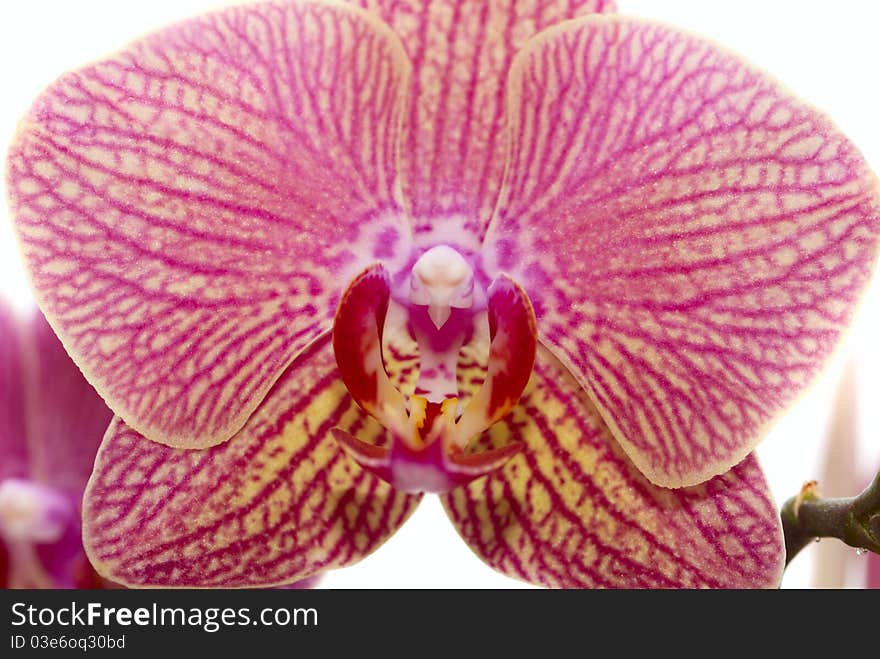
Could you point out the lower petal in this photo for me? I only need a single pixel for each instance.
(572, 510)
(278, 502)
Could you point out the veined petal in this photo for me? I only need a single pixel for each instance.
(13, 431)
(190, 209)
(453, 154)
(280, 501)
(573, 511)
(693, 238)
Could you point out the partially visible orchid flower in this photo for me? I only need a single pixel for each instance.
(544, 260)
(51, 425)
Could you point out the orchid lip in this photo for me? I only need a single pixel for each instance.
(438, 467)
(429, 434)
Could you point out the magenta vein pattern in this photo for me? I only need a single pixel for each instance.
(693, 238)
(189, 208)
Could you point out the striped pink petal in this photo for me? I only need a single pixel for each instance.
(873, 577)
(52, 421)
(51, 424)
(693, 238)
(573, 511)
(67, 418)
(280, 501)
(190, 209)
(461, 50)
(13, 429)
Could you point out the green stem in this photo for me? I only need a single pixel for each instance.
(853, 520)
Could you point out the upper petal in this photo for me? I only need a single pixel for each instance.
(573, 511)
(278, 502)
(694, 238)
(190, 209)
(461, 50)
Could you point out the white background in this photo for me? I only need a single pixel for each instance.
(827, 52)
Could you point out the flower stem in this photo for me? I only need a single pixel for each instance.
(853, 520)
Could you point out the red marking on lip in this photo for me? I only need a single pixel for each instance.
(513, 331)
(358, 324)
(436, 467)
(426, 451)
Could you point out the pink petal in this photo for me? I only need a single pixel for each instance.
(5, 564)
(453, 150)
(304, 584)
(51, 424)
(52, 420)
(573, 511)
(69, 418)
(191, 208)
(694, 239)
(13, 431)
(873, 576)
(278, 502)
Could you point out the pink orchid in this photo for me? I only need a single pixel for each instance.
(51, 426)
(561, 266)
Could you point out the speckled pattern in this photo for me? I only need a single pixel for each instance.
(278, 502)
(572, 510)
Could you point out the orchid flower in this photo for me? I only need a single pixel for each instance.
(562, 267)
(51, 426)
